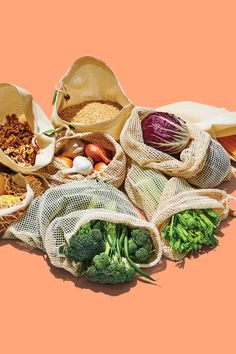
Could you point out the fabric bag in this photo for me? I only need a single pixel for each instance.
(114, 173)
(161, 198)
(218, 122)
(15, 100)
(54, 217)
(19, 195)
(203, 163)
(89, 79)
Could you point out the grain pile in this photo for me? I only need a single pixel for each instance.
(91, 112)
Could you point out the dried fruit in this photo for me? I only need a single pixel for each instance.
(18, 141)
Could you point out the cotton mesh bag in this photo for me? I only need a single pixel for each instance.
(18, 195)
(91, 81)
(161, 198)
(203, 162)
(114, 172)
(17, 105)
(53, 218)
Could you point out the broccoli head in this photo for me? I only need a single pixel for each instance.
(132, 247)
(140, 245)
(84, 246)
(142, 255)
(140, 236)
(107, 269)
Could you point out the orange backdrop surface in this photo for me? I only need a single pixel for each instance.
(161, 51)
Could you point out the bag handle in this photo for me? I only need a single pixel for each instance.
(60, 87)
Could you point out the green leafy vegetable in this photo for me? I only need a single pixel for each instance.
(191, 230)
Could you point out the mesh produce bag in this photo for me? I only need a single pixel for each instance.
(114, 173)
(203, 163)
(89, 79)
(18, 196)
(54, 217)
(161, 198)
(16, 101)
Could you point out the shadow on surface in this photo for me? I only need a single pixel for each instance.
(83, 283)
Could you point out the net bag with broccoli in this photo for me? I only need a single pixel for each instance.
(90, 229)
(186, 218)
(164, 142)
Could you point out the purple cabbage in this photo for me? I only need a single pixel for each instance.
(165, 132)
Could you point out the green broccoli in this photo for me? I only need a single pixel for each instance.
(142, 255)
(84, 245)
(140, 245)
(104, 249)
(109, 268)
(132, 246)
(140, 236)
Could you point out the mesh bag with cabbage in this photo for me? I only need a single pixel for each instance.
(71, 145)
(186, 218)
(90, 228)
(164, 142)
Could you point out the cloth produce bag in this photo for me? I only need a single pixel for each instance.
(89, 79)
(203, 162)
(54, 217)
(114, 173)
(19, 194)
(219, 122)
(161, 198)
(15, 100)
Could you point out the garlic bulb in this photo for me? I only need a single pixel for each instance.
(80, 165)
(73, 149)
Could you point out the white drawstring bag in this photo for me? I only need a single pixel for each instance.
(218, 122)
(15, 100)
(90, 79)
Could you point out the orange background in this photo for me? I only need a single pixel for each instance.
(161, 51)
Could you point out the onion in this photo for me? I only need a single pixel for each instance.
(100, 166)
(97, 152)
(165, 132)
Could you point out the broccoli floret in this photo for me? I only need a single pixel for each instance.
(109, 270)
(140, 236)
(144, 246)
(84, 246)
(132, 247)
(142, 255)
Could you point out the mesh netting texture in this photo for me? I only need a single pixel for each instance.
(54, 217)
(160, 198)
(203, 163)
(114, 173)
